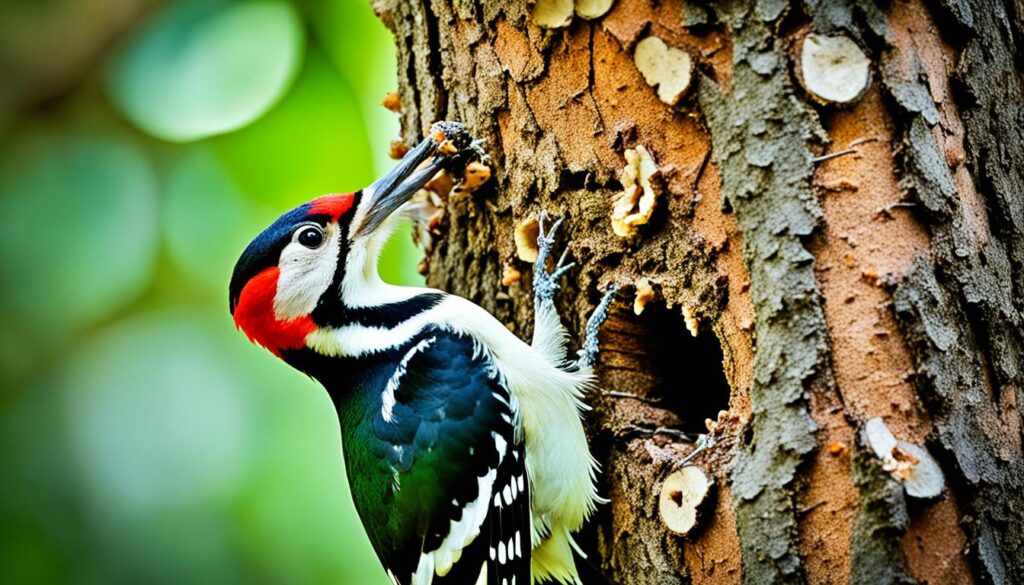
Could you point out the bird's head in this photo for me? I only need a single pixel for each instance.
(284, 273)
(297, 274)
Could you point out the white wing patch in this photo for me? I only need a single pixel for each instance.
(424, 574)
(388, 396)
(461, 532)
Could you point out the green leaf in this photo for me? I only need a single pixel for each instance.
(203, 68)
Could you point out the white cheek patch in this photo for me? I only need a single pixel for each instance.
(305, 275)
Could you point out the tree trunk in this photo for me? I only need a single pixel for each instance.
(815, 265)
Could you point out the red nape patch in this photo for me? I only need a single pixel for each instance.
(332, 205)
(254, 314)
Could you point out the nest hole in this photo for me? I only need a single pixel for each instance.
(688, 371)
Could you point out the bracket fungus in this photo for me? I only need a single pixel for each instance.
(525, 236)
(558, 13)
(635, 205)
(833, 68)
(684, 494)
(908, 463)
(667, 68)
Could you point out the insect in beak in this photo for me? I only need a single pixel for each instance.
(445, 141)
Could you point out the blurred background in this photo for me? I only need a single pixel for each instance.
(143, 143)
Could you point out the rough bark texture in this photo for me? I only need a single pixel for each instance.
(885, 281)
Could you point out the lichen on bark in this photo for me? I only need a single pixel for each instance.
(760, 132)
(961, 309)
(882, 519)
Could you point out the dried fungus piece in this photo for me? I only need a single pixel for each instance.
(441, 184)
(635, 205)
(667, 68)
(683, 497)
(476, 174)
(398, 149)
(692, 324)
(908, 463)
(510, 275)
(924, 479)
(392, 102)
(879, 437)
(833, 68)
(644, 295)
(525, 236)
(552, 13)
(591, 9)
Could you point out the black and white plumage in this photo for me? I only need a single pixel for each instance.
(463, 445)
(446, 428)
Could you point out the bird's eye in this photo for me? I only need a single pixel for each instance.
(311, 237)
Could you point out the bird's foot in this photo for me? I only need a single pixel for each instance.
(588, 354)
(545, 284)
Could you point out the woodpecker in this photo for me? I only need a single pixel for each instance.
(463, 445)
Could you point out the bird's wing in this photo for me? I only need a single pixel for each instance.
(460, 506)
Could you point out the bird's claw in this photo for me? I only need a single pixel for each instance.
(588, 354)
(545, 283)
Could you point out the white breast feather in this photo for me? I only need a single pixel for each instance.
(560, 468)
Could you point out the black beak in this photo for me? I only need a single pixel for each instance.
(389, 192)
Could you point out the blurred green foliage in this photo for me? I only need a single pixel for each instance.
(143, 439)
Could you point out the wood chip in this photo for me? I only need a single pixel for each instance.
(683, 497)
(667, 68)
(833, 69)
(398, 149)
(552, 13)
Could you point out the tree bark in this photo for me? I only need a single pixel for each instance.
(835, 262)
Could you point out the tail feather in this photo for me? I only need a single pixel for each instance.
(553, 560)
